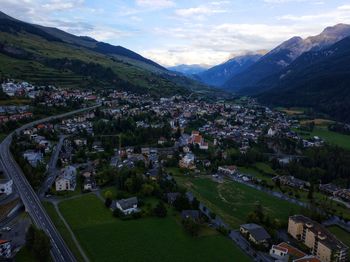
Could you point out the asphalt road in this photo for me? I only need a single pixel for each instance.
(52, 171)
(59, 251)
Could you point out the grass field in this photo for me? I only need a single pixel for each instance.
(234, 201)
(260, 171)
(341, 234)
(332, 137)
(2, 136)
(106, 238)
(24, 255)
(50, 209)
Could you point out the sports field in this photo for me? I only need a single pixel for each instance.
(234, 201)
(105, 238)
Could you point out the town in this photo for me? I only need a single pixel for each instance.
(229, 168)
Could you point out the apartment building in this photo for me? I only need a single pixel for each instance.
(321, 242)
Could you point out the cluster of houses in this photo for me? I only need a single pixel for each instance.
(336, 191)
(14, 113)
(188, 158)
(12, 88)
(49, 96)
(243, 123)
(322, 246)
(35, 156)
(292, 181)
(6, 190)
(67, 180)
(332, 190)
(78, 123)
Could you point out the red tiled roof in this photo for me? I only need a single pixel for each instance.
(292, 250)
(308, 259)
(280, 248)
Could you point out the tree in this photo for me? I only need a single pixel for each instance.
(38, 243)
(108, 202)
(182, 203)
(191, 226)
(310, 194)
(160, 210)
(42, 246)
(117, 213)
(30, 236)
(108, 194)
(147, 189)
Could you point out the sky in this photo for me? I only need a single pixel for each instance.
(174, 32)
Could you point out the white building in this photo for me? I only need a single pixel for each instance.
(6, 186)
(271, 132)
(229, 170)
(187, 161)
(279, 253)
(67, 180)
(34, 158)
(5, 249)
(127, 206)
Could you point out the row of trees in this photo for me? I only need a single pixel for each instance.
(38, 243)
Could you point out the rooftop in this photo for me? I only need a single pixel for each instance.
(323, 234)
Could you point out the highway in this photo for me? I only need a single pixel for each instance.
(59, 251)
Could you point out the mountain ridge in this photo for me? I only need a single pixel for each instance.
(318, 79)
(51, 56)
(283, 55)
(219, 74)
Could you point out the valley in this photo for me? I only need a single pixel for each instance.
(225, 135)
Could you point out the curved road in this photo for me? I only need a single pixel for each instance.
(59, 251)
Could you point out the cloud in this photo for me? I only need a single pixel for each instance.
(195, 11)
(287, 1)
(341, 14)
(155, 3)
(59, 5)
(46, 14)
(213, 44)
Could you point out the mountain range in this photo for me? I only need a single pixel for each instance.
(316, 79)
(189, 70)
(220, 74)
(282, 56)
(313, 72)
(46, 55)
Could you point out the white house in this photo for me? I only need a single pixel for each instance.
(34, 158)
(6, 186)
(279, 253)
(229, 170)
(127, 206)
(271, 132)
(66, 181)
(187, 161)
(5, 249)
